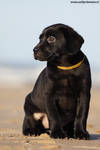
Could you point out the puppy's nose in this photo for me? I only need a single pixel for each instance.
(35, 50)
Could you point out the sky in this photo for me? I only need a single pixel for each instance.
(21, 22)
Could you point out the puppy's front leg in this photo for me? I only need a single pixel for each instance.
(81, 115)
(54, 118)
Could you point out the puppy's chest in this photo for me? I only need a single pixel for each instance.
(68, 85)
(67, 91)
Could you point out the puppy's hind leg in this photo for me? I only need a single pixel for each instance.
(30, 125)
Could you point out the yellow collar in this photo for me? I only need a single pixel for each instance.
(71, 67)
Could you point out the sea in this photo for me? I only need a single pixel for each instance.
(25, 74)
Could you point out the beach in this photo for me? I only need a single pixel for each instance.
(11, 118)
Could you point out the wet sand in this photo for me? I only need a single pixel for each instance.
(11, 118)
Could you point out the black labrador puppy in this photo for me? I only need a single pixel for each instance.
(60, 99)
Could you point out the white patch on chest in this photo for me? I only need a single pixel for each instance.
(43, 117)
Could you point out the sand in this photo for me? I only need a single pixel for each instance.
(11, 118)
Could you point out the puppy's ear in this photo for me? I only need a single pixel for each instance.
(73, 39)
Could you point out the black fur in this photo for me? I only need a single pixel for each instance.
(64, 95)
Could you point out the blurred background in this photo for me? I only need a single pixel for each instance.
(22, 21)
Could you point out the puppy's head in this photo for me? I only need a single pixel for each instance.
(56, 40)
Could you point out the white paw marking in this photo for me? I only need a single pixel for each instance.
(43, 117)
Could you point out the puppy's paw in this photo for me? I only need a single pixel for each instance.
(31, 132)
(81, 135)
(57, 134)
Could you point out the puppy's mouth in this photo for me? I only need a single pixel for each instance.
(43, 58)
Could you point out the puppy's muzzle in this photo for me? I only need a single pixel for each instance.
(36, 53)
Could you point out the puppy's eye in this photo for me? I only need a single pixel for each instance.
(51, 39)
